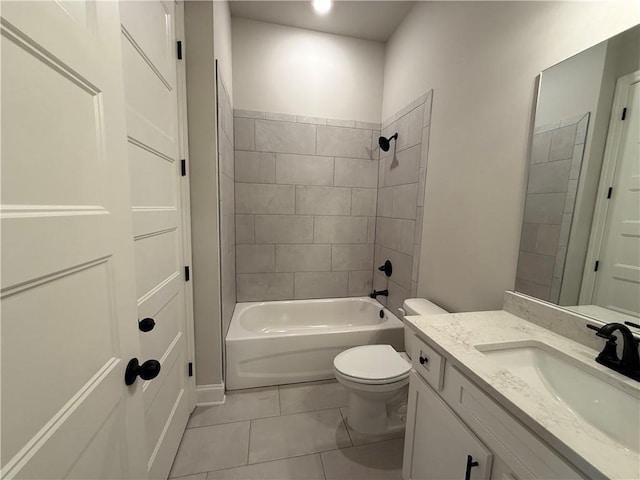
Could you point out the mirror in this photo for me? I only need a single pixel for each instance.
(580, 243)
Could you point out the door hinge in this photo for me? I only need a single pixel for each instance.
(624, 113)
(183, 167)
(187, 275)
(190, 366)
(609, 192)
(179, 50)
(595, 269)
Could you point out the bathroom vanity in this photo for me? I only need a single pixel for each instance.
(497, 395)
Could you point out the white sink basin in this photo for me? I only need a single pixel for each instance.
(574, 386)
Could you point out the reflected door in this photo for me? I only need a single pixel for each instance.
(618, 278)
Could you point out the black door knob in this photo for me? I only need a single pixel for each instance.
(147, 371)
(146, 324)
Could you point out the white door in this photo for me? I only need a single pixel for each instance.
(618, 277)
(68, 308)
(149, 59)
(438, 445)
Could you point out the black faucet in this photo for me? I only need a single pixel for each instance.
(629, 364)
(375, 293)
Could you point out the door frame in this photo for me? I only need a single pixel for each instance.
(185, 199)
(607, 177)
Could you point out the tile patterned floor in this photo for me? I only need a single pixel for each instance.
(291, 432)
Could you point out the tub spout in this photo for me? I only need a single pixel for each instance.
(375, 293)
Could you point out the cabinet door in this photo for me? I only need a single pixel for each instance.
(437, 443)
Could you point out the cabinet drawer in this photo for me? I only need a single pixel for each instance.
(428, 363)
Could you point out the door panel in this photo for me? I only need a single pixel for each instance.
(149, 60)
(618, 278)
(68, 308)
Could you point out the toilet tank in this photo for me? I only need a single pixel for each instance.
(417, 306)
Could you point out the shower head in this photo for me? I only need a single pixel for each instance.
(384, 142)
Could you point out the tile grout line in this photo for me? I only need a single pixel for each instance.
(324, 473)
(344, 422)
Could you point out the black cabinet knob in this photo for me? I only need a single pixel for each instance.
(146, 324)
(423, 360)
(147, 371)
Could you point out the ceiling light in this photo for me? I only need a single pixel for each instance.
(322, 6)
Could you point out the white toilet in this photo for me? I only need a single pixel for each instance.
(377, 378)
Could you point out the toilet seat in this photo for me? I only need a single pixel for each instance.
(372, 365)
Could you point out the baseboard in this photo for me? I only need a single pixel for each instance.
(210, 394)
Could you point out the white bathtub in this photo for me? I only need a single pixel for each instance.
(274, 343)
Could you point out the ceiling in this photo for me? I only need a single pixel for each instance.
(370, 20)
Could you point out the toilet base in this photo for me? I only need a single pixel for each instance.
(376, 415)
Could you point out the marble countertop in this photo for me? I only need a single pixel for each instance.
(590, 450)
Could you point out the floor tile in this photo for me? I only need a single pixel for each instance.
(307, 467)
(378, 461)
(197, 476)
(358, 438)
(307, 397)
(299, 434)
(212, 448)
(238, 406)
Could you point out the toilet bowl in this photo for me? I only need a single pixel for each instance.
(377, 379)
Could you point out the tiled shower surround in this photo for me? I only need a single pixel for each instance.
(306, 197)
(556, 160)
(401, 186)
(227, 205)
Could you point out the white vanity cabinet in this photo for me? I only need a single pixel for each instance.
(449, 418)
(441, 447)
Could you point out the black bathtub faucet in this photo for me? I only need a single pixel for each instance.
(375, 293)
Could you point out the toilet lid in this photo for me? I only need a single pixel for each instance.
(372, 362)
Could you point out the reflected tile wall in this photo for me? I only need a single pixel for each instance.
(557, 151)
(401, 186)
(305, 199)
(227, 169)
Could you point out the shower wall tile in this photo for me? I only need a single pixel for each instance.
(396, 233)
(402, 265)
(255, 287)
(351, 257)
(399, 168)
(283, 229)
(243, 130)
(344, 142)
(255, 258)
(303, 258)
(323, 200)
(305, 200)
(304, 169)
(263, 198)
(354, 172)
(360, 283)
(363, 202)
(340, 229)
(321, 284)
(550, 177)
(285, 137)
(244, 228)
(255, 167)
(405, 198)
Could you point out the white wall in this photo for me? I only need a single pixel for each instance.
(481, 59)
(302, 72)
(222, 42)
(207, 38)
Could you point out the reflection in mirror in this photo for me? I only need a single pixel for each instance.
(580, 243)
